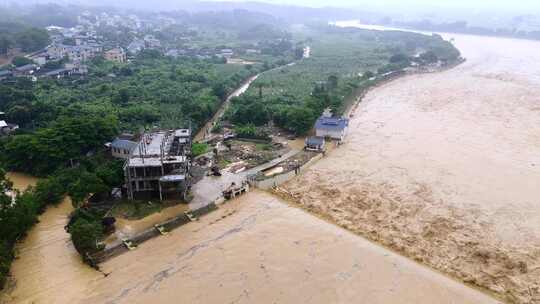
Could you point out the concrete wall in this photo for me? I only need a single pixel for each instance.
(151, 233)
(120, 153)
(282, 178)
(338, 135)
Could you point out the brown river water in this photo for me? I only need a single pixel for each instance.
(442, 167)
(253, 250)
(445, 168)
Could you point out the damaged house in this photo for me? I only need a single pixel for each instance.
(159, 166)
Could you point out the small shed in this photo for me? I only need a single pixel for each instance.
(315, 143)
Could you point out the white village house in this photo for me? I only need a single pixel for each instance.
(331, 127)
(122, 148)
(6, 128)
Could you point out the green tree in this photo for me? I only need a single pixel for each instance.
(5, 44)
(85, 235)
(85, 184)
(300, 120)
(400, 58)
(429, 57)
(20, 61)
(19, 114)
(32, 39)
(333, 82)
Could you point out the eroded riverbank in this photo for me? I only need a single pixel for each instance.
(445, 168)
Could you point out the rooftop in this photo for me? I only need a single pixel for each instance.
(315, 141)
(151, 144)
(124, 144)
(57, 72)
(155, 148)
(331, 123)
(26, 68)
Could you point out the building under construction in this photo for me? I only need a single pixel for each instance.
(159, 166)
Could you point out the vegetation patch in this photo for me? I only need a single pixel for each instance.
(344, 61)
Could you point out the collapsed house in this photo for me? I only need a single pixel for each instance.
(159, 166)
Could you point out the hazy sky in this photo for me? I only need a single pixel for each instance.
(510, 7)
(523, 6)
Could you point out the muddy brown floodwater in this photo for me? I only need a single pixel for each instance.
(259, 250)
(445, 168)
(48, 269)
(253, 250)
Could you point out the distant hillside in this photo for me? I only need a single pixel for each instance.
(289, 13)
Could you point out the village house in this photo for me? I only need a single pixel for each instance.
(122, 148)
(25, 70)
(6, 128)
(116, 55)
(331, 127)
(40, 58)
(135, 47)
(77, 68)
(77, 53)
(159, 166)
(5, 74)
(225, 53)
(59, 73)
(151, 42)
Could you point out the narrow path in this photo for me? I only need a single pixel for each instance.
(204, 133)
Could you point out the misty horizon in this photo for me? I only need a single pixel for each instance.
(384, 6)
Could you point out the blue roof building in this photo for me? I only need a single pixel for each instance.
(331, 127)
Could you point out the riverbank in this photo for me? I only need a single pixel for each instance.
(444, 172)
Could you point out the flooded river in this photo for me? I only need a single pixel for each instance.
(253, 250)
(259, 250)
(445, 168)
(47, 269)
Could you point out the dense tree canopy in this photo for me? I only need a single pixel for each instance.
(66, 140)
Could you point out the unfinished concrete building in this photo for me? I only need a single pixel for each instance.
(159, 166)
